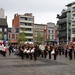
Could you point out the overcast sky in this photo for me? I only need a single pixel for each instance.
(44, 10)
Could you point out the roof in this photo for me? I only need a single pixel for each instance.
(70, 4)
(40, 24)
(3, 22)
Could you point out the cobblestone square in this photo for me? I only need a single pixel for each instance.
(14, 65)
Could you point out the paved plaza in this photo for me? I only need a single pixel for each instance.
(14, 65)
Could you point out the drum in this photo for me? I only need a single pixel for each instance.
(28, 51)
(32, 51)
(25, 51)
(42, 47)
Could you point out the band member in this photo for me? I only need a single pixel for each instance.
(35, 50)
(74, 51)
(62, 49)
(66, 49)
(45, 51)
(31, 52)
(49, 51)
(55, 54)
(22, 50)
(70, 52)
(59, 50)
(10, 49)
(25, 51)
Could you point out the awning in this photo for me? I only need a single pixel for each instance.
(1, 41)
(13, 41)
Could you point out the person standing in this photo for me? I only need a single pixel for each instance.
(49, 51)
(22, 51)
(74, 51)
(10, 49)
(55, 50)
(66, 49)
(35, 50)
(70, 52)
(59, 50)
(45, 51)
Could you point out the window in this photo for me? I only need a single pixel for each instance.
(5, 29)
(73, 16)
(28, 34)
(49, 31)
(25, 18)
(28, 29)
(73, 30)
(13, 36)
(73, 9)
(21, 23)
(25, 23)
(9, 36)
(22, 18)
(52, 37)
(1, 29)
(29, 39)
(29, 24)
(52, 31)
(30, 19)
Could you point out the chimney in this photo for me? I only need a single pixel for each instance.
(15, 16)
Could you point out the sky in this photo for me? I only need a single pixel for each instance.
(44, 11)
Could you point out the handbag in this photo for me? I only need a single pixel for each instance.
(52, 52)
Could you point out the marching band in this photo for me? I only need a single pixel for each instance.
(32, 51)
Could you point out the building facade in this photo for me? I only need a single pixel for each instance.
(56, 38)
(40, 33)
(71, 8)
(66, 24)
(12, 34)
(24, 21)
(3, 29)
(64, 27)
(50, 31)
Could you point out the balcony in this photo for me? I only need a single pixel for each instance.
(29, 37)
(62, 35)
(26, 31)
(24, 26)
(62, 29)
(62, 21)
(26, 21)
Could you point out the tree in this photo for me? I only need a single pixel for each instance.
(8, 41)
(21, 36)
(48, 40)
(38, 37)
(2, 35)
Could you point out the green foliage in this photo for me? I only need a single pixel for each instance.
(8, 41)
(48, 38)
(1, 33)
(40, 37)
(21, 36)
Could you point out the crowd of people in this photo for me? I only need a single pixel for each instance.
(32, 51)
